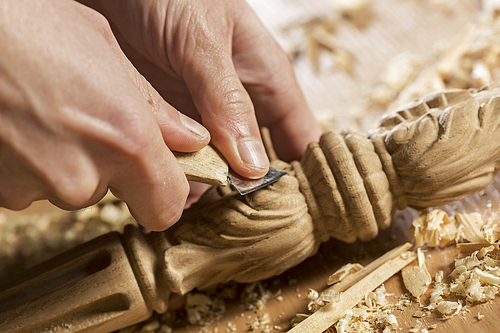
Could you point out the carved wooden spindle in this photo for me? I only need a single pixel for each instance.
(108, 283)
(438, 149)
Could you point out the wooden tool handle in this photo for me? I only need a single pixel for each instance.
(204, 166)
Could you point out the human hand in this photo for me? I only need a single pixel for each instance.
(215, 61)
(77, 118)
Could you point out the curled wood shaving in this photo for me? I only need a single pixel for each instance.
(342, 272)
(449, 309)
(437, 228)
(359, 12)
(470, 226)
(491, 233)
(434, 227)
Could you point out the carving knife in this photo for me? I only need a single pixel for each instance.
(209, 166)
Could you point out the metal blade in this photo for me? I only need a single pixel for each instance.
(245, 185)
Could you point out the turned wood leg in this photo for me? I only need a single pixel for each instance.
(97, 286)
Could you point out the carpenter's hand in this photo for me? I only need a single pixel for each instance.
(215, 59)
(75, 117)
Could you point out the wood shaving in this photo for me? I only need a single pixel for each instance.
(416, 278)
(317, 301)
(471, 226)
(437, 228)
(399, 71)
(320, 38)
(372, 313)
(472, 60)
(318, 35)
(202, 310)
(419, 314)
(261, 324)
(372, 310)
(434, 228)
(449, 309)
(358, 12)
(491, 233)
(344, 271)
(255, 296)
(298, 318)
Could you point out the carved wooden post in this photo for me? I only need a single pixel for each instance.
(438, 149)
(108, 283)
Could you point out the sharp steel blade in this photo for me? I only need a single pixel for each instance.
(245, 185)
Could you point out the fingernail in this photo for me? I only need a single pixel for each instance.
(194, 126)
(252, 152)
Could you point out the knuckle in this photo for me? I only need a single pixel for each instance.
(76, 192)
(169, 219)
(15, 203)
(74, 181)
(99, 22)
(174, 210)
(234, 98)
(167, 216)
(95, 17)
(133, 141)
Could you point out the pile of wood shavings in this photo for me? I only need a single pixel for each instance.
(471, 61)
(202, 309)
(373, 313)
(436, 228)
(475, 278)
(318, 34)
(205, 308)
